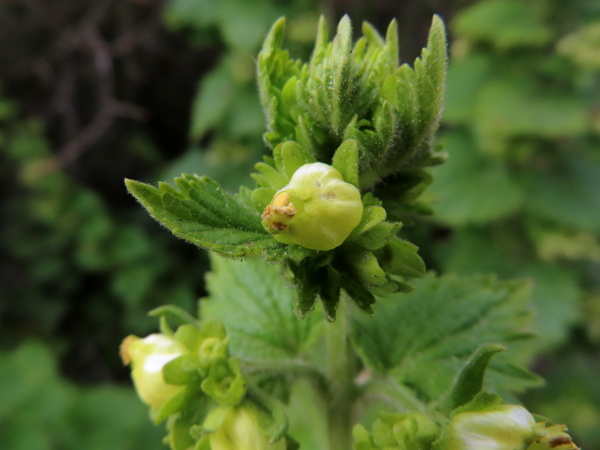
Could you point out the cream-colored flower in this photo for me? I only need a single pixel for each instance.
(147, 357)
(317, 209)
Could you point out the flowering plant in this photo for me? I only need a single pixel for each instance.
(351, 134)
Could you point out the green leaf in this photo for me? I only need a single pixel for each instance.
(567, 192)
(466, 76)
(514, 107)
(472, 188)
(213, 100)
(483, 401)
(205, 215)
(182, 370)
(555, 291)
(257, 309)
(435, 58)
(503, 23)
(422, 339)
(378, 236)
(470, 379)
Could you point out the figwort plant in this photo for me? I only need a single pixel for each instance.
(404, 358)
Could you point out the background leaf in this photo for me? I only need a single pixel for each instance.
(555, 294)
(465, 182)
(504, 23)
(42, 411)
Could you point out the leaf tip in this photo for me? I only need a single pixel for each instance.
(275, 37)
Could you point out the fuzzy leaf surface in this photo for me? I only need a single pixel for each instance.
(422, 339)
(202, 213)
(257, 308)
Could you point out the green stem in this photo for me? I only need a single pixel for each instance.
(340, 374)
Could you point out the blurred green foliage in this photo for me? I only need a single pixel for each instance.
(63, 240)
(226, 108)
(40, 410)
(521, 189)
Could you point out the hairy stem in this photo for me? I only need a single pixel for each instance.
(340, 374)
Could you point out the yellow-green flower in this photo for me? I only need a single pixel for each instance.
(317, 209)
(241, 431)
(147, 358)
(507, 427)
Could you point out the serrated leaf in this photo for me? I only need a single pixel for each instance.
(329, 292)
(257, 309)
(423, 338)
(205, 215)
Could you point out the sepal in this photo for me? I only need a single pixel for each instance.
(224, 383)
(411, 431)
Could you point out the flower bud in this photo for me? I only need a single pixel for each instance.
(507, 427)
(553, 437)
(242, 431)
(147, 357)
(225, 383)
(317, 209)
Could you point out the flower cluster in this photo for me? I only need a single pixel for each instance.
(189, 379)
(502, 427)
